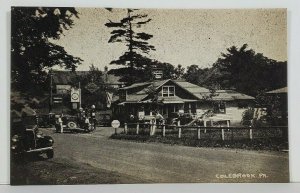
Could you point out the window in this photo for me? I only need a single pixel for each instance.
(220, 107)
(168, 91)
(123, 95)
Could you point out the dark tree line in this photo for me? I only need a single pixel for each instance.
(241, 69)
(32, 54)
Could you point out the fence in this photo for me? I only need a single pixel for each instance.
(201, 132)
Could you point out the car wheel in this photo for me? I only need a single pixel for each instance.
(72, 125)
(50, 154)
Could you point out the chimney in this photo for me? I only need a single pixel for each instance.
(106, 74)
(157, 73)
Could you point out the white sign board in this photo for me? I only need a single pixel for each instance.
(115, 124)
(75, 95)
(141, 115)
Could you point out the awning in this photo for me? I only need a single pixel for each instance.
(283, 90)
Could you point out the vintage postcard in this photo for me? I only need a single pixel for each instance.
(125, 96)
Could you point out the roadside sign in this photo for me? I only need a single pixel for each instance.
(115, 124)
(75, 95)
(91, 87)
(57, 99)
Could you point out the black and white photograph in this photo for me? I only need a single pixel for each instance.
(146, 96)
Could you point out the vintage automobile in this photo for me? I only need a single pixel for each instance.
(46, 120)
(103, 118)
(27, 139)
(71, 123)
(184, 118)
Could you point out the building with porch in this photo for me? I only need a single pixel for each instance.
(62, 83)
(168, 96)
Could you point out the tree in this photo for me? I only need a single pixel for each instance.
(179, 72)
(97, 95)
(248, 72)
(192, 74)
(135, 41)
(31, 52)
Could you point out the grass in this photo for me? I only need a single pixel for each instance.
(238, 139)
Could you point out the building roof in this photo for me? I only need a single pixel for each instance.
(135, 97)
(135, 85)
(283, 90)
(156, 84)
(66, 77)
(195, 90)
(228, 95)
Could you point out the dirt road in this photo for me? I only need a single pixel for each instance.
(133, 162)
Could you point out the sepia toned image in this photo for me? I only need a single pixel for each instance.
(127, 96)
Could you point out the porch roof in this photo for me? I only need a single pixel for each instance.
(283, 90)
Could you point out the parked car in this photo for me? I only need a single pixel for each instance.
(74, 124)
(26, 138)
(46, 120)
(103, 118)
(184, 118)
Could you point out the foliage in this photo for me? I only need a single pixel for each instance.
(241, 69)
(179, 72)
(124, 31)
(97, 98)
(248, 117)
(249, 72)
(205, 77)
(134, 75)
(276, 108)
(31, 52)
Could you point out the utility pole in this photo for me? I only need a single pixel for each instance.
(51, 95)
(79, 94)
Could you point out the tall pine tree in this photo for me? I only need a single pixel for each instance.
(125, 32)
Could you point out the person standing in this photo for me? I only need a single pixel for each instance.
(93, 116)
(60, 122)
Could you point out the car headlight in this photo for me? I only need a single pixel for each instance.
(39, 136)
(51, 141)
(14, 138)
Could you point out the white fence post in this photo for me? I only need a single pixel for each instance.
(137, 128)
(204, 126)
(152, 127)
(179, 130)
(125, 128)
(251, 134)
(223, 135)
(199, 130)
(164, 128)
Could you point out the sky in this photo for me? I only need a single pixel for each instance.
(185, 37)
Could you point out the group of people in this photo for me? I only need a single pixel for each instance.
(86, 119)
(158, 117)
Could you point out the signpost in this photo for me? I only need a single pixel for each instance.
(115, 124)
(75, 95)
(91, 87)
